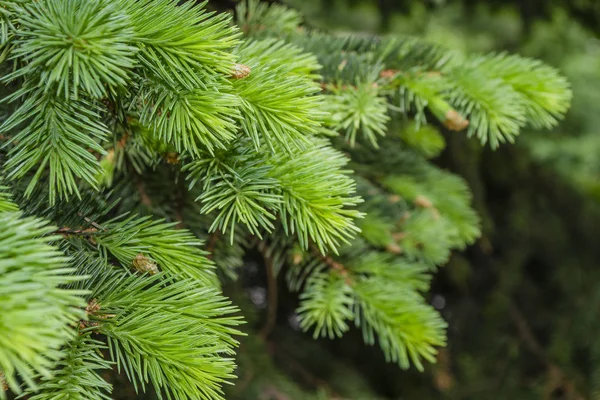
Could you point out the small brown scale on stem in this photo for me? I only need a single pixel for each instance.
(143, 264)
(240, 71)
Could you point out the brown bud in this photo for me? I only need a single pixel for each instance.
(404, 217)
(3, 384)
(388, 73)
(92, 307)
(143, 264)
(172, 158)
(240, 71)
(398, 236)
(433, 74)
(110, 156)
(394, 198)
(86, 324)
(297, 258)
(393, 248)
(454, 121)
(422, 201)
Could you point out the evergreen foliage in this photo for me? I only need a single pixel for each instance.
(142, 129)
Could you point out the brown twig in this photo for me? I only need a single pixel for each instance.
(557, 377)
(66, 231)
(212, 243)
(3, 384)
(144, 198)
(330, 262)
(92, 310)
(271, 294)
(123, 141)
(92, 223)
(179, 206)
(442, 373)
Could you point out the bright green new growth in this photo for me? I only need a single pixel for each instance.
(203, 136)
(36, 312)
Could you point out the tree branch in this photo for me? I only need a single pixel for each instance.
(144, 198)
(332, 264)
(212, 243)
(271, 294)
(556, 377)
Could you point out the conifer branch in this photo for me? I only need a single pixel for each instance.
(76, 375)
(35, 308)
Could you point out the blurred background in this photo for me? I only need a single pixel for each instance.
(523, 303)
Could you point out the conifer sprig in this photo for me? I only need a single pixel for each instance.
(186, 353)
(57, 38)
(176, 251)
(76, 375)
(38, 315)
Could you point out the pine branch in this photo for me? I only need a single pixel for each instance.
(359, 109)
(177, 252)
(407, 329)
(34, 307)
(185, 39)
(54, 31)
(278, 103)
(75, 375)
(326, 305)
(58, 136)
(254, 17)
(314, 184)
(173, 336)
